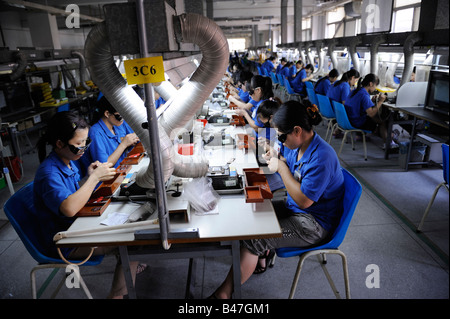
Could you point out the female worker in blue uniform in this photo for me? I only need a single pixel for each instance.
(302, 76)
(112, 138)
(260, 90)
(341, 89)
(59, 194)
(360, 107)
(313, 178)
(323, 85)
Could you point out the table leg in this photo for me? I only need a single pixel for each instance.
(387, 146)
(125, 259)
(236, 253)
(413, 132)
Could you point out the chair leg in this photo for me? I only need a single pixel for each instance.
(427, 210)
(297, 275)
(365, 146)
(342, 143)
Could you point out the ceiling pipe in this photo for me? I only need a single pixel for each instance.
(82, 63)
(353, 53)
(331, 46)
(374, 52)
(408, 53)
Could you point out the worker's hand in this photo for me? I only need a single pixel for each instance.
(240, 111)
(381, 97)
(273, 164)
(101, 171)
(130, 139)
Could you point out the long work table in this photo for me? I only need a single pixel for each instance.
(417, 113)
(218, 234)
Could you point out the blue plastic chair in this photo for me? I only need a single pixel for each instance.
(327, 113)
(352, 194)
(309, 85)
(445, 168)
(274, 78)
(290, 92)
(343, 124)
(312, 96)
(260, 70)
(21, 214)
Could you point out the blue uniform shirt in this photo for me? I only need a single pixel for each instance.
(321, 180)
(356, 107)
(268, 65)
(159, 102)
(339, 93)
(244, 96)
(285, 72)
(297, 83)
(53, 183)
(104, 143)
(323, 86)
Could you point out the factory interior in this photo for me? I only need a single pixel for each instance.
(168, 68)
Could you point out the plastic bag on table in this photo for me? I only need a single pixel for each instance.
(201, 196)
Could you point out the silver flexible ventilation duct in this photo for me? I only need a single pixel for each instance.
(353, 53)
(332, 54)
(80, 58)
(408, 52)
(21, 66)
(374, 53)
(213, 44)
(197, 29)
(321, 55)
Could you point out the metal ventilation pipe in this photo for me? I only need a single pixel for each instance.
(82, 69)
(197, 29)
(354, 55)
(21, 66)
(190, 28)
(408, 52)
(321, 55)
(374, 53)
(332, 54)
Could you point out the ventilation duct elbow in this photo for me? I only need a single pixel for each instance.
(408, 52)
(82, 69)
(374, 53)
(21, 66)
(353, 53)
(182, 104)
(332, 54)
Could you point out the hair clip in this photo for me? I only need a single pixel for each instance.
(74, 126)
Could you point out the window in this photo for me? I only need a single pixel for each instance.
(403, 20)
(237, 44)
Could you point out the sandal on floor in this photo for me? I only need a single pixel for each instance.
(141, 268)
(270, 261)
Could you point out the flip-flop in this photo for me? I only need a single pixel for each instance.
(141, 268)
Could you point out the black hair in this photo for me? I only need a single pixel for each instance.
(245, 76)
(347, 76)
(367, 80)
(283, 59)
(332, 74)
(265, 83)
(268, 107)
(102, 106)
(287, 65)
(310, 67)
(61, 126)
(293, 113)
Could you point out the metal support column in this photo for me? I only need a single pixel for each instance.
(155, 155)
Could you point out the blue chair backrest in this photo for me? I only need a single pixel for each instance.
(280, 79)
(445, 162)
(325, 106)
(288, 86)
(309, 85)
(353, 190)
(274, 77)
(260, 70)
(22, 215)
(341, 116)
(312, 96)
